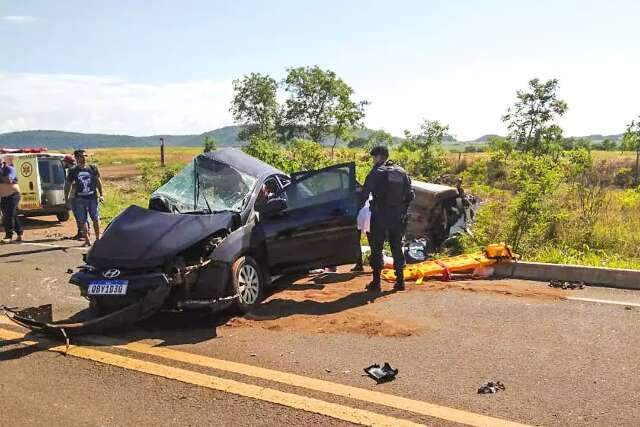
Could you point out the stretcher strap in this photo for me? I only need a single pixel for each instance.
(446, 274)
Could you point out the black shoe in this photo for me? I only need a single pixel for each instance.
(358, 268)
(399, 286)
(373, 286)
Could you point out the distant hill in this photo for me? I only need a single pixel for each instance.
(225, 137)
(57, 140)
(593, 138)
(486, 138)
(600, 138)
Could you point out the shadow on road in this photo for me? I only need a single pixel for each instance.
(331, 278)
(278, 308)
(31, 252)
(192, 327)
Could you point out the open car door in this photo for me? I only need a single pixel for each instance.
(318, 226)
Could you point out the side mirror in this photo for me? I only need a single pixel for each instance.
(273, 206)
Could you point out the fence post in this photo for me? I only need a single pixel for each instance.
(162, 152)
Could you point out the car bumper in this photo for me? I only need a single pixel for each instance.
(135, 282)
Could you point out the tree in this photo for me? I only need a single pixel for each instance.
(431, 134)
(631, 142)
(358, 142)
(427, 142)
(530, 119)
(379, 137)
(210, 144)
(608, 145)
(254, 105)
(319, 104)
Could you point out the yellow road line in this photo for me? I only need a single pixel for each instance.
(308, 404)
(389, 400)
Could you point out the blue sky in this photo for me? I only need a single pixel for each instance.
(147, 67)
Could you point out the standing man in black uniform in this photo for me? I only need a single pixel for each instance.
(391, 189)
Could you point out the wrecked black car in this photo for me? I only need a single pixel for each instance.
(214, 236)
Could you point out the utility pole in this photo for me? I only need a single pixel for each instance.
(161, 151)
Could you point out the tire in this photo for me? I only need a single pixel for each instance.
(248, 282)
(63, 216)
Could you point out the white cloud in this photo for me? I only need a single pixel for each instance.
(111, 105)
(602, 99)
(18, 19)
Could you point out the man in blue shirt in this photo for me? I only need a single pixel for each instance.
(85, 181)
(9, 206)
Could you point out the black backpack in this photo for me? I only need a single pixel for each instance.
(395, 185)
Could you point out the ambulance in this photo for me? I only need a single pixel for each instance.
(41, 178)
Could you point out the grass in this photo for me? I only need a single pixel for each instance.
(614, 241)
(137, 156)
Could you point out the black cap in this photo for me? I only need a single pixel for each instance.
(380, 150)
(79, 152)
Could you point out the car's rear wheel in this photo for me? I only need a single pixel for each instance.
(248, 283)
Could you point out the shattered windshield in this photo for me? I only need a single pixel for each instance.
(207, 185)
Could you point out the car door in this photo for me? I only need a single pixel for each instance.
(318, 227)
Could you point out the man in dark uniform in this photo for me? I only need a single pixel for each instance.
(391, 191)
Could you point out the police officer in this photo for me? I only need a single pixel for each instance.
(391, 191)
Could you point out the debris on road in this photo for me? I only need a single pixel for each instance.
(566, 285)
(69, 271)
(381, 374)
(491, 387)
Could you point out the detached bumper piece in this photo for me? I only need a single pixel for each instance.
(40, 318)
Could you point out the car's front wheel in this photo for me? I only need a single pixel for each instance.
(248, 283)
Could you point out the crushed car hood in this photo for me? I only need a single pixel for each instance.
(142, 238)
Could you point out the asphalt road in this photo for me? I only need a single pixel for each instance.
(563, 361)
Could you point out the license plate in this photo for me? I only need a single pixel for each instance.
(108, 287)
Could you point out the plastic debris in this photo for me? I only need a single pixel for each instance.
(566, 285)
(381, 374)
(417, 251)
(491, 387)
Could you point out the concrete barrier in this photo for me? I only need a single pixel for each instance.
(609, 277)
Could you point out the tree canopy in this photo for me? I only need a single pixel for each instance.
(530, 120)
(255, 105)
(631, 142)
(320, 103)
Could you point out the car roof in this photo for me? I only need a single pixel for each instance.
(38, 155)
(433, 192)
(243, 162)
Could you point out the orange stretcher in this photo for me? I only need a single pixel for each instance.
(457, 264)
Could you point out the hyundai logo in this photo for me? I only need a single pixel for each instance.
(111, 273)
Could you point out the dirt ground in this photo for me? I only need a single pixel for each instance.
(337, 303)
(115, 172)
